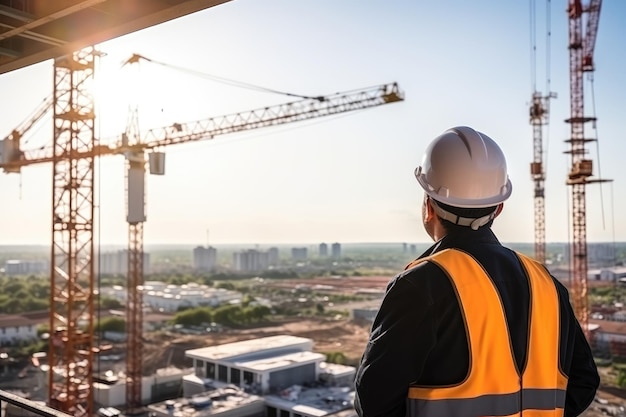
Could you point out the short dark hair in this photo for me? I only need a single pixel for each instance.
(471, 213)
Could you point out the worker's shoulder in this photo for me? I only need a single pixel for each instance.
(439, 258)
(425, 281)
(422, 272)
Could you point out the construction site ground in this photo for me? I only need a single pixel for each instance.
(329, 335)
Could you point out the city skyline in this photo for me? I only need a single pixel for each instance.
(347, 178)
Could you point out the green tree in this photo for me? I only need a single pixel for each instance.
(226, 285)
(13, 286)
(229, 315)
(320, 308)
(43, 328)
(247, 299)
(256, 313)
(111, 324)
(34, 304)
(336, 357)
(621, 378)
(194, 316)
(110, 303)
(40, 290)
(11, 306)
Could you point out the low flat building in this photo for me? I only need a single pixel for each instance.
(110, 389)
(336, 375)
(297, 401)
(367, 313)
(276, 376)
(221, 402)
(261, 365)
(17, 328)
(168, 298)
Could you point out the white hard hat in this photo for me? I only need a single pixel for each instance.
(464, 168)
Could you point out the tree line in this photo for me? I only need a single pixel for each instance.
(230, 315)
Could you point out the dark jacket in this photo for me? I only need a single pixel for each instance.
(419, 337)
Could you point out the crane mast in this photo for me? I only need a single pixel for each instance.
(73, 154)
(71, 347)
(580, 61)
(538, 119)
(135, 218)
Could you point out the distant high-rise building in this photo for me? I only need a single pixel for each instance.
(299, 254)
(601, 254)
(272, 256)
(413, 249)
(204, 259)
(250, 260)
(336, 250)
(404, 247)
(20, 267)
(323, 250)
(116, 263)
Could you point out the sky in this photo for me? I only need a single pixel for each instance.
(347, 178)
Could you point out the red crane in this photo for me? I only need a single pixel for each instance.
(134, 146)
(73, 153)
(581, 48)
(539, 119)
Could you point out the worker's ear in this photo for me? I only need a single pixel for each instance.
(499, 210)
(429, 211)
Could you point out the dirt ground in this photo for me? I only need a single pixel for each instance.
(329, 335)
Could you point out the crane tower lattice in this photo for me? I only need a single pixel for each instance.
(581, 49)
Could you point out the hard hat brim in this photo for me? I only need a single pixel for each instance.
(505, 193)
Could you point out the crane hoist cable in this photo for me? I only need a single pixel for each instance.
(533, 67)
(595, 130)
(533, 45)
(548, 81)
(136, 58)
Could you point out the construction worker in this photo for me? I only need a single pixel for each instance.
(472, 328)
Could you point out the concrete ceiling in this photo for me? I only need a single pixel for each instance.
(32, 31)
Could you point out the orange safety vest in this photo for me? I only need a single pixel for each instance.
(493, 385)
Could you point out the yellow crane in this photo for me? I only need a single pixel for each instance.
(72, 154)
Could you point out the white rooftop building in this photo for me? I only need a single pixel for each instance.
(110, 388)
(262, 365)
(222, 402)
(617, 273)
(169, 298)
(312, 402)
(292, 380)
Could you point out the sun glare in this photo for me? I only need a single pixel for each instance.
(114, 94)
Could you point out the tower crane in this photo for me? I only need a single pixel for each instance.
(16, 134)
(72, 154)
(539, 118)
(135, 145)
(581, 61)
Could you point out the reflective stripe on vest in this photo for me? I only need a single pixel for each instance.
(493, 386)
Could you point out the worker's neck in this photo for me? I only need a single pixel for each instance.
(438, 231)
